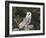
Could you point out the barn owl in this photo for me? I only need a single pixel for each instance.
(28, 17)
(25, 21)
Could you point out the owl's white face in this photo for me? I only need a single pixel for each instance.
(28, 14)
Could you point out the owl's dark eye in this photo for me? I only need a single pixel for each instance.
(28, 14)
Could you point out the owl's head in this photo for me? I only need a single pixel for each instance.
(28, 14)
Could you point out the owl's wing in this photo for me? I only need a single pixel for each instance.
(22, 24)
